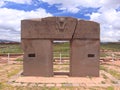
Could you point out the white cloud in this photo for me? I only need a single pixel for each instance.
(73, 6)
(110, 24)
(73, 3)
(107, 4)
(10, 21)
(2, 3)
(20, 1)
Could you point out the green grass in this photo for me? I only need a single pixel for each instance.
(14, 72)
(57, 47)
(1, 86)
(19, 59)
(65, 47)
(110, 88)
(102, 68)
(8, 87)
(7, 74)
(103, 55)
(61, 47)
(112, 72)
(104, 76)
(110, 46)
(12, 48)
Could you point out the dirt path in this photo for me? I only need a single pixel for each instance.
(113, 67)
(7, 70)
(115, 63)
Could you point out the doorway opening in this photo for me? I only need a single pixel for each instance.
(61, 57)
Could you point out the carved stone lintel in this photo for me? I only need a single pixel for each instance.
(61, 23)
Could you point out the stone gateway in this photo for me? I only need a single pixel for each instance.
(37, 37)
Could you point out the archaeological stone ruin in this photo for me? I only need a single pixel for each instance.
(37, 36)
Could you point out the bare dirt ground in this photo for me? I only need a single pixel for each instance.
(11, 59)
(105, 79)
(115, 65)
(7, 67)
(11, 80)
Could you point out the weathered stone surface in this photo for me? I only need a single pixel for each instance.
(84, 58)
(37, 58)
(87, 30)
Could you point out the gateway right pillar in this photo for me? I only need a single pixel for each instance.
(85, 47)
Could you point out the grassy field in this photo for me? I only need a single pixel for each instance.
(110, 46)
(6, 71)
(57, 47)
(10, 48)
(61, 47)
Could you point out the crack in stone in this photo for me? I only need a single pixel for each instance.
(74, 30)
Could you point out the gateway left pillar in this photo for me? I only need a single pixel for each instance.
(37, 57)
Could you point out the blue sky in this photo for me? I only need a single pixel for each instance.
(105, 12)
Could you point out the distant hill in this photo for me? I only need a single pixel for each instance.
(110, 42)
(8, 41)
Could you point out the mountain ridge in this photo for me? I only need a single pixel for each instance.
(7, 41)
